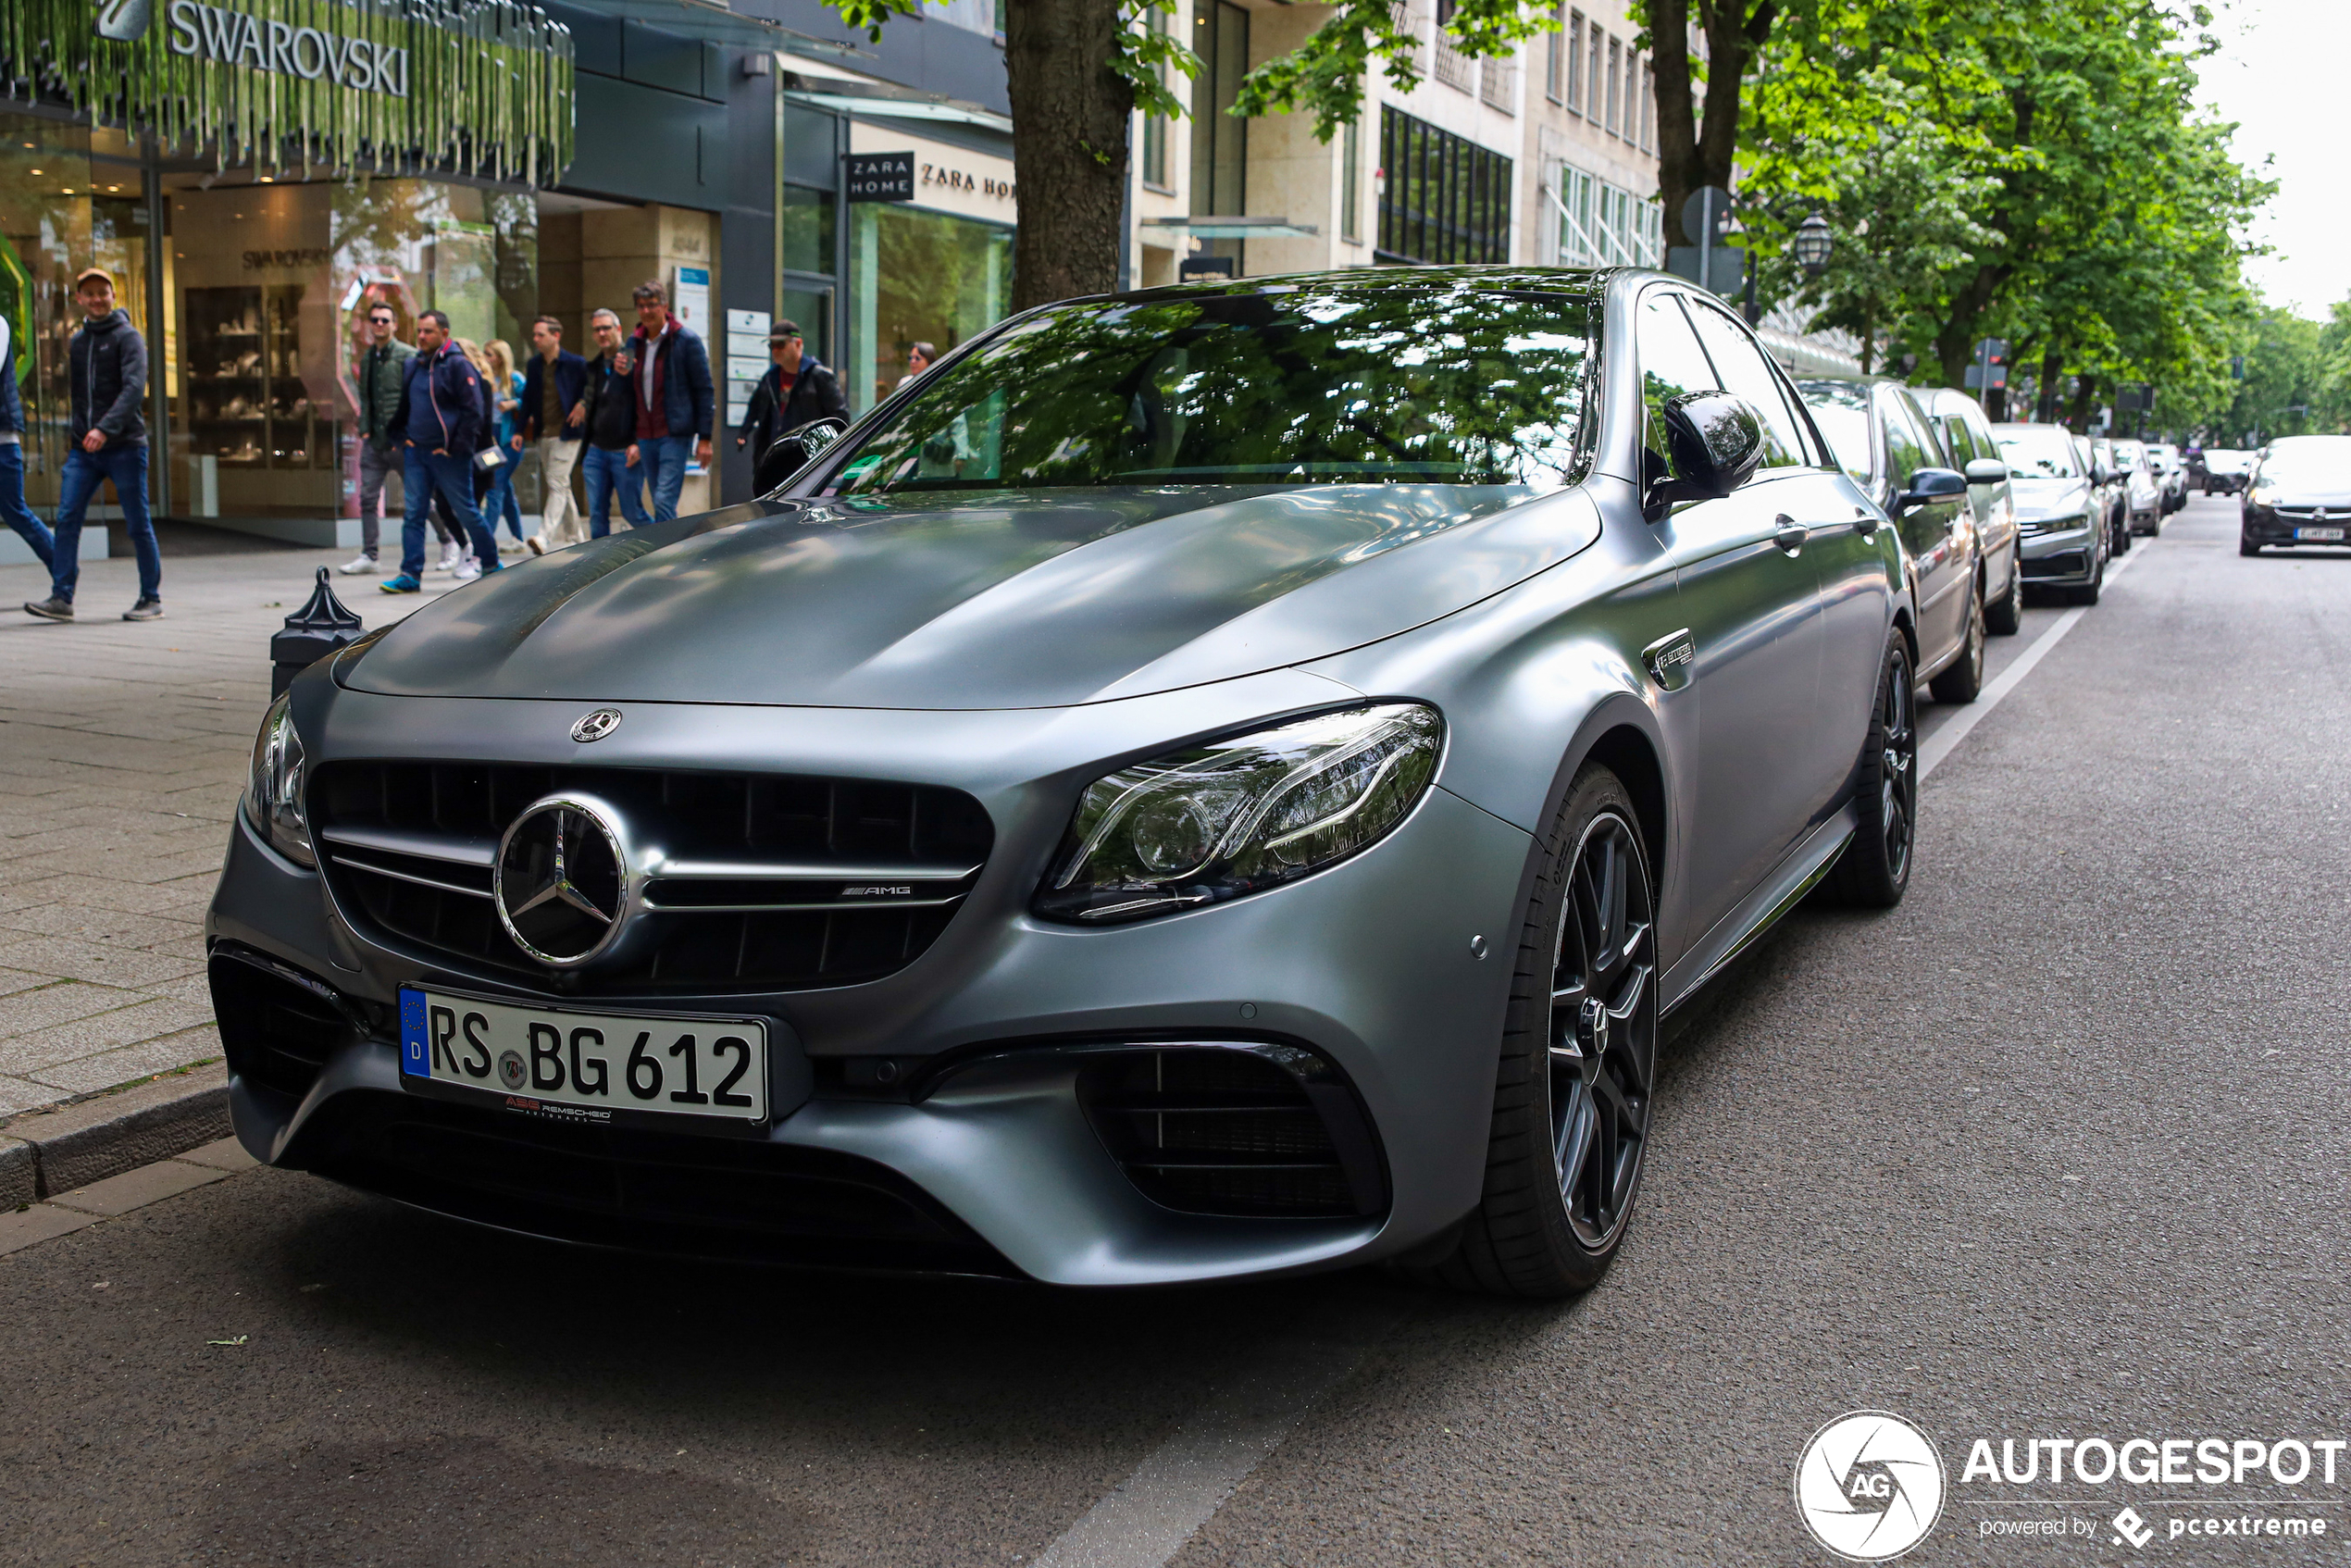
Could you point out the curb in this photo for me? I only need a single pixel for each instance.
(46, 1153)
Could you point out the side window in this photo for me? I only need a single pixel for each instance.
(1744, 371)
(1671, 362)
(1906, 448)
(1959, 440)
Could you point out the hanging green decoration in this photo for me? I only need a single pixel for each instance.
(482, 87)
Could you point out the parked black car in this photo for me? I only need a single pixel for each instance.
(2300, 494)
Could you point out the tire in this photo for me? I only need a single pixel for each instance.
(2007, 618)
(1964, 677)
(2088, 592)
(2118, 535)
(2245, 545)
(1575, 1085)
(1875, 867)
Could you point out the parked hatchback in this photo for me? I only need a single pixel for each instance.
(2300, 494)
(1888, 447)
(1967, 438)
(2060, 509)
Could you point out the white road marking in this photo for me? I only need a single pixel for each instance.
(1145, 1520)
(1947, 738)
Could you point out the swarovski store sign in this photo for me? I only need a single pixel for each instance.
(479, 87)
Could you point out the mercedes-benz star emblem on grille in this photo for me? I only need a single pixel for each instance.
(562, 883)
(596, 725)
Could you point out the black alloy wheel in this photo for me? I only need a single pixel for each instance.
(1604, 1045)
(1875, 867)
(1574, 1081)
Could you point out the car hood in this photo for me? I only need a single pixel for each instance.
(2328, 491)
(2039, 501)
(976, 599)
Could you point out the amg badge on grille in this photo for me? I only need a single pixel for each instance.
(596, 725)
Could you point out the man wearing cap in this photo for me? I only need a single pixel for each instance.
(796, 389)
(106, 362)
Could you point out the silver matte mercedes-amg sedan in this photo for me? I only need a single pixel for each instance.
(1211, 781)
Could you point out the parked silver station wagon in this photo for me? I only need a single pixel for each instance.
(1212, 782)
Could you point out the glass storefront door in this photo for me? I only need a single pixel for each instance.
(70, 197)
(918, 276)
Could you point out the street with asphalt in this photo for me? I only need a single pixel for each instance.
(2054, 1151)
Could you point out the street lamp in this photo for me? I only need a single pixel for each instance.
(1812, 244)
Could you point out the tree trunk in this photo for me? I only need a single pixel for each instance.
(2052, 363)
(1691, 150)
(2084, 396)
(1070, 115)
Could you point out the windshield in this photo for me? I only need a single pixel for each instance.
(2309, 457)
(1326, 383)
(2039, 454)
(1842, 410)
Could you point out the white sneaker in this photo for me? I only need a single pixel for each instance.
(357, 565)
(450, 556)
(535, 544)
(467, 570)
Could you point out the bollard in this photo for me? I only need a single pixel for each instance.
(312, 632)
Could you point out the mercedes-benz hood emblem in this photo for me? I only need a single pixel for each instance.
(562, 885)
(596, 725)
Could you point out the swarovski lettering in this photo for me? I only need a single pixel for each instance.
(216, 33)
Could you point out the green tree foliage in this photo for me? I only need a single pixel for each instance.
(2048, 160)
(2292, 383)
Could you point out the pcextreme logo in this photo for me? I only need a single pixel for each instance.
(1869, 1486)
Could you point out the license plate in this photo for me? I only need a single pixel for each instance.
(585, 1066)
(2319, 536)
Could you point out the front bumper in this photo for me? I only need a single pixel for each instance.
(2060, 557)
(977, 1155)
(2265, 525)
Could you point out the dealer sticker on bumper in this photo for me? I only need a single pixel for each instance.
(586, 1064)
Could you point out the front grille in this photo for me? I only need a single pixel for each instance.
(410, 847)
(2062, 563)
(667, 1192)
(1245, 1130)
(278, 1025)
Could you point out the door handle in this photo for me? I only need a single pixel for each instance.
(1790, 535)
(1865, 523)
(1670, 659)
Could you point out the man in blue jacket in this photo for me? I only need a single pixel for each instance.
(12, 506)
(107, 363)
(554, 413)
(441, 415)
(669, 370)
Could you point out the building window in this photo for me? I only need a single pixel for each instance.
(1446, 200)
(1576, 62)
(1600, 225)
(1555, 60)
(1649, 109)
(1592, 73)
(1155, 126)
(1350, 184)
(1615, 73)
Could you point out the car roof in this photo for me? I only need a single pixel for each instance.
(1588, 282)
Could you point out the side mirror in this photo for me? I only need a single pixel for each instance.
(2101, 473)
(1986, 470)
(1928, 486)
(788, 454)
(1716, 442)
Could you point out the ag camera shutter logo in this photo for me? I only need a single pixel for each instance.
(1869, 1486)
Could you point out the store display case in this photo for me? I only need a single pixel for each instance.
(247, 405)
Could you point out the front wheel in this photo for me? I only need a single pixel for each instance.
(1964, 677)
(1875, 866)
(2245, 545)
(2088, 592)
(1573, 1093)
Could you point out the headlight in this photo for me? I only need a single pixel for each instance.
(273, 799)
(2263, 494)
(1231, 816)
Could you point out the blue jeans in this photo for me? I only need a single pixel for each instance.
(451, 475)
(499, 499)
(127, 467)
(663, 458)
(608, 472)
(12, 506)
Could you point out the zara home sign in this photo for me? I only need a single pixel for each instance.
(215, 32)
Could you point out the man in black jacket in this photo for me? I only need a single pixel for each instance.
(108, 365)
(444, 417)
(797, 389)
(611, 461)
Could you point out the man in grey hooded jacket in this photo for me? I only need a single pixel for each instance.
(107, 364)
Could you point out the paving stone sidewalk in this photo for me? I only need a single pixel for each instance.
(123, 750)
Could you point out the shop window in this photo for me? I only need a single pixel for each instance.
(1447, 199)
(808, 229)
(918, 276)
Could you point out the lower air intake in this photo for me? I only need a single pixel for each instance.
(1250, 1131)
